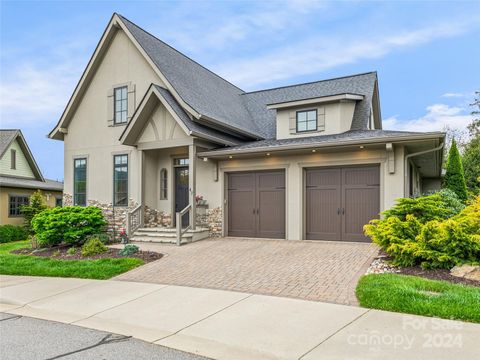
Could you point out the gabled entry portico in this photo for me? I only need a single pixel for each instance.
(163, 133)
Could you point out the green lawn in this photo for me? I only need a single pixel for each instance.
(12, 264)
(415, 295)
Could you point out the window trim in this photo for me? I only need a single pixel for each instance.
(86, 179)
(10, 196)
(115, 121)
(13, 159)
(113, 178)
(306, 111)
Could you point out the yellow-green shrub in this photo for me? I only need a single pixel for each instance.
(434, 243)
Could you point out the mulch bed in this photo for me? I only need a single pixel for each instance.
(437, 274)
(433, 274)
(111, 253)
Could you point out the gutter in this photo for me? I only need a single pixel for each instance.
(332, 143)
(405, 164)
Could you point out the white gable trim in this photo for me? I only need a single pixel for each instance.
(113, 26)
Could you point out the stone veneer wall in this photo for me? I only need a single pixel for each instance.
(117, 218)
(155, 218)
(210, 218)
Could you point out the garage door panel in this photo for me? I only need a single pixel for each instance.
(240, 214)
(256, 203)
(323, 220)
(361, 205)
(340, 201)
(271, 217)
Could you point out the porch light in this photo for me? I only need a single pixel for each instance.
(230, 157)
(205, 159)
(313, 150)
(268, 154)
(361, 146)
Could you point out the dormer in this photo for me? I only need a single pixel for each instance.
(324, 115)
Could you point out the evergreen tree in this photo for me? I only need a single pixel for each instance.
(36, 205)
(455, 177)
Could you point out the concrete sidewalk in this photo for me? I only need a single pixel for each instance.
(230, 325)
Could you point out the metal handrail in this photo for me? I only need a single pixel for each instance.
(180, 230)
(134, 219)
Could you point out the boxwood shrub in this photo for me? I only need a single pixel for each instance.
(69, 225)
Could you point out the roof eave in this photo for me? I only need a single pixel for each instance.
(330, 144)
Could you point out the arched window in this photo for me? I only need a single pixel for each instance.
(163, 184)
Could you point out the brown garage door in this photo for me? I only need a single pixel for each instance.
(340, 201)
(256, 204)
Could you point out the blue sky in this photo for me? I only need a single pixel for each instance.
(426, 53)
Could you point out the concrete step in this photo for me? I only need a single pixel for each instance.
(168, 235)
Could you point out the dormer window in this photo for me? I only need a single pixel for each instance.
(120, 104)
(306, 120)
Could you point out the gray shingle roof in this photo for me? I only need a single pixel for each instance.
(6, 181)
(322, 140)
(6, 138)
(191, 125)
(362, 84)
(216, 98)
(203, 90)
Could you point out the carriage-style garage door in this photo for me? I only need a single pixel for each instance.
(339, 201)
(256, 204)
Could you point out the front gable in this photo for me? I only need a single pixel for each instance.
(16, 160)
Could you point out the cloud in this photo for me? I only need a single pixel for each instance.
(322, 53)
(438, 117)
(33, 94)
(454, 95)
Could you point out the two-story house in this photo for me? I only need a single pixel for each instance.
(148, 131)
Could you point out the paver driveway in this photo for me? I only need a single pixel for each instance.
(310, 270)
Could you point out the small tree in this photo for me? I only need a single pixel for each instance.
(455, 177)
(35, 206)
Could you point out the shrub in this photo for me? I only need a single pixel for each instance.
(431, 243)
(10, 233)
(129, 249)
(455, 177)
(72, 251)
(103, 237)
(36, 205)
(92, 247)
(70, 225)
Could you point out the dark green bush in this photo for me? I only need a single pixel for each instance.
(129, 249)
(36, 205)
(10, 233)
(430, 242)
(69, 225)
(93, 247)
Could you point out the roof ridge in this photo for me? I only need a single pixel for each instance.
(180, 53)
(310, 82)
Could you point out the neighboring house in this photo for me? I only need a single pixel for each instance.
(147, 130)
(20, 176)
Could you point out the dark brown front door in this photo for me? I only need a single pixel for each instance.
(340, 201)
(256, 204)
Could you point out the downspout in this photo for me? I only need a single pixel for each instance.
(405, 166)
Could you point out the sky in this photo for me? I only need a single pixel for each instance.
(427, 53)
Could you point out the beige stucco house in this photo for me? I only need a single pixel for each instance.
(20, 176)
(150, 133)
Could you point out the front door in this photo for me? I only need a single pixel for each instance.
(181, 192)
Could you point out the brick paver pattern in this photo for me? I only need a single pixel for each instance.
(309, 270)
